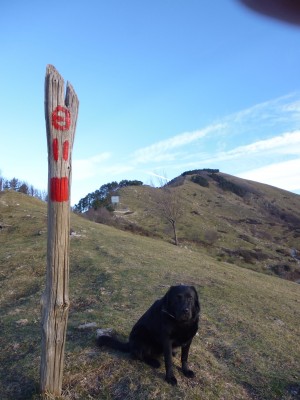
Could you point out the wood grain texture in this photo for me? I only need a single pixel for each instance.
(61, 116)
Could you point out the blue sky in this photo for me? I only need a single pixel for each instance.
(164, 86)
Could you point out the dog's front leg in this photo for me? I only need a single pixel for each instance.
(170, 378)
(184, 360)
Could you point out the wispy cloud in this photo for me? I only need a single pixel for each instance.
(271, 111)
(160, 177)
(288, 140)
(87, 168)
(100, 165)
(162, 151)
(287, 143)
(260, 143)
(284, 175)
(265, 127)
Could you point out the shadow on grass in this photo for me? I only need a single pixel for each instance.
(16, 385)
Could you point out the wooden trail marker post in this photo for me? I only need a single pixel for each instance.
(61, 116)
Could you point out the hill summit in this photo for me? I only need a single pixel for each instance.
(238, 221)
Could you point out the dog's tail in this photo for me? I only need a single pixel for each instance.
(112, 342)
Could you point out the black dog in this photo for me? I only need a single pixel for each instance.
(170, 322)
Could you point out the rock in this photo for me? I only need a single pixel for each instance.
(88, 325)
(102, 332)
(22, 322)
(278, 322)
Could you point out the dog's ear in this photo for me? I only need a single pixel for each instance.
(197, 303)
(166, 300)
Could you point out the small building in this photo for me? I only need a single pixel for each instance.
(115, 200)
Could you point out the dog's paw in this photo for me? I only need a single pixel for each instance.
(171, 380)
(188, 373)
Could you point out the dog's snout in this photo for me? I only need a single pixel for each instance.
(186, 310)
(185, 314)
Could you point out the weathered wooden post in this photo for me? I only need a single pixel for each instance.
(61, 116)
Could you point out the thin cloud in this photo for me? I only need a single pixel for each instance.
(88, 168)
(277, 115)
(270, 118)
(270, 110)
(293, 107)
(161, 151)
(249, 143)
(287, 143)
(157, 175)
(284, 175)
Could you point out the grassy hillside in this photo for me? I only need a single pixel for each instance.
(248, 342)
(257, 229)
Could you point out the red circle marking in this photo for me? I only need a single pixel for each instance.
(61, 118)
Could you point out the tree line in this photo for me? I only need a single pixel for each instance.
(165, 203)
(198, 171)
(21, 187)
(100, 198)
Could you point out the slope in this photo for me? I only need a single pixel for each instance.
(247, 346)
(237, 221)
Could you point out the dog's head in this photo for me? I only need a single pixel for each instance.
(182, 303)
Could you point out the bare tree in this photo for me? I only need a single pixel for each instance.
(168, 206)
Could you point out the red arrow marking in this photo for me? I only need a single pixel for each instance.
(61, 118)
(59, 189)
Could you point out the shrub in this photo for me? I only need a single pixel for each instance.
(230, 186)
(200, 180)
(198, 171)
(210, 236)
(101, 215)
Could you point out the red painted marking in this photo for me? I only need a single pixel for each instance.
(66, 150)
(61, 118)
(55, 149)
(59, 189)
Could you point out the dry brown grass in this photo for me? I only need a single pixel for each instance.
(248, 343)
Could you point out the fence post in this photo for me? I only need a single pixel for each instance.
(61, 112)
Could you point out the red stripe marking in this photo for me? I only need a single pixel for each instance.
(55, 149)
(59, 189)
(66, 150)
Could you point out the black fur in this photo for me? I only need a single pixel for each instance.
(170, 322)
